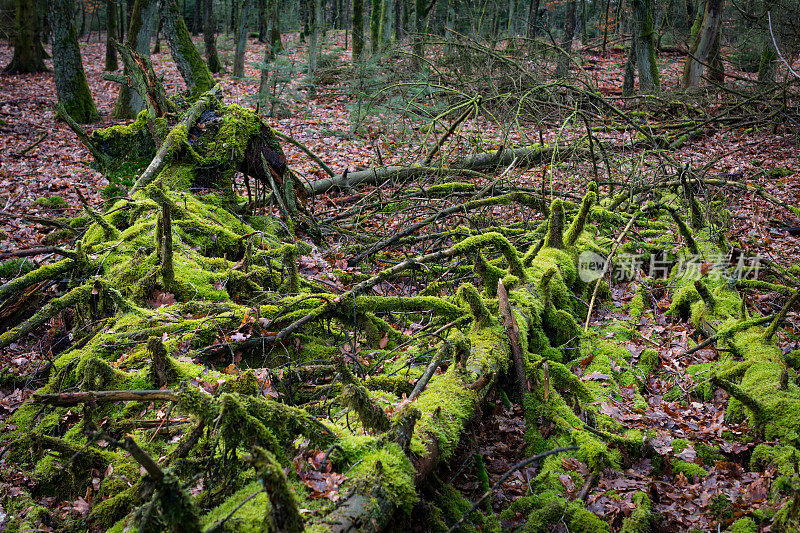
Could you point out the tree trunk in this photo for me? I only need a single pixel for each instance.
(398, 20)
(703, 45)
(197, 15)
(242, 16)
(70, 79)
(644, 34)
(375, 24)
(111, 34)
(533, 13)
(313, 47)
(358, 29)
(418, 42)
(188, 60)
(274, 30)
(142, 25)
(209, 37)
(29, 53)
(262, 21)
(562, 69)
(630, 71)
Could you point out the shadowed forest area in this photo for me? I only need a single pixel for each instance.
(387, 265)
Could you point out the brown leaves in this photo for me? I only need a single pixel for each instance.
(317, 474)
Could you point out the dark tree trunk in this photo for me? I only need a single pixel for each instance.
(375, 24)
(358, 29)
(566, 42)
(111, 34)
(533, 14)
(241, 39)
(70, 79)
(274, 30)
(29, 53)
(188, 60)
(143, 22)
(262, 21)
(398, 20)
(209, 37)
(197, 17)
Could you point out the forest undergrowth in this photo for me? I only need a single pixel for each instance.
(193, 353)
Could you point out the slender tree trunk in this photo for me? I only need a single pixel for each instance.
(197, 16)
(630, 70)
(275, 26)
(421, 11)
(188, 60)
(398, 20)
(262, 21)
(375, 26)
(562, 69)
(29, 53)
(143, 22)
(70, 79)
(111, 34)
(533, 14)
(605, 27)
(209, 37)
(313, 47)
(584, 23)
(358, 29)
(703, 44)
(241, 39)
(644, 35)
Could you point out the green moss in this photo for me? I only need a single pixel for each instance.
(744, 525)
(642, 518)
(54, 203)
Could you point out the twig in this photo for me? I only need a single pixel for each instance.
(504, 477)
(66, 399)
(605, 270)
(309, 153)
(512, 330)
(775, 44)
(477, 102)
(781, 316)
(31, 146)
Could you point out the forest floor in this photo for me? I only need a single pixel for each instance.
(58, 166)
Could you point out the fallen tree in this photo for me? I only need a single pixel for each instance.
(183, 264)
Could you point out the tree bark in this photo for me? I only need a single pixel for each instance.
(313, 46)
(142, 26)
(376, 21)
(209, 37)
(197, 15)
(29, 53)
(241, 39)
(703, 45)
(358, 29)
(533, 13)
(191, 66)
(70, 79)
(111, 34)
(275, 27)
(562, 69)
(645, 47)
(262, 21)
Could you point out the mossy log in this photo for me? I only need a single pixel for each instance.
(226, 283)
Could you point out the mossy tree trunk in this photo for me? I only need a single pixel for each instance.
(562, 69)
(645, 47)
(70, 79)
(111, 35)
(188, 60)
(358, 29)
(703, 45)
(313, 46)
(274, 23)
(29, 53)
(140, 32)
(376, 25)
(209, 36)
